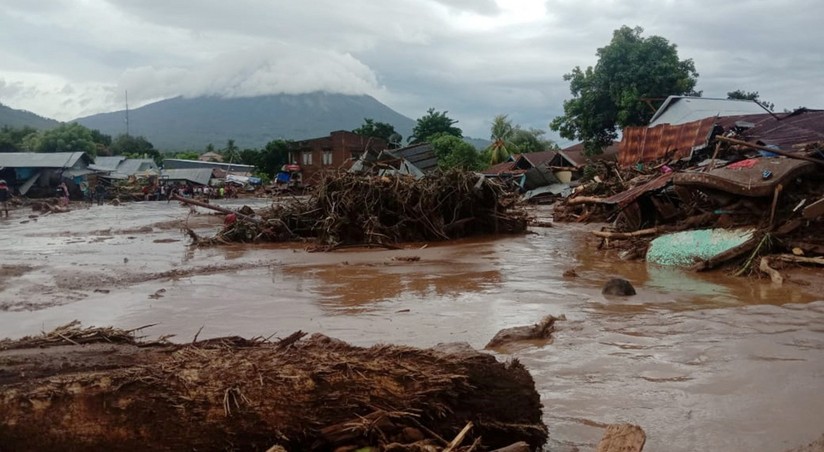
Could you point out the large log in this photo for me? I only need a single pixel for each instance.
(237, 394)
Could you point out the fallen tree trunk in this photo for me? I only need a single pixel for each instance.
(625, 235)
(238, 394)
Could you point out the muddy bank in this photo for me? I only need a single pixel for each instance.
(101, 389)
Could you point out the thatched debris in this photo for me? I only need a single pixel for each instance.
(237, 394)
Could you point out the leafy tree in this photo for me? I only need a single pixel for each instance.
(231, 153)
(135, 147)
(273, 156)
(454, 152)
(610, 95)
(743, 95)
(11, 138)
(377, 129)
(524, 141)
(508, 139)
(70, 137)
(434, 122)
(501, 133)
(188, 155)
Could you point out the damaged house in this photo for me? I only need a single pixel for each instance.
(38, 174)
(755, 172)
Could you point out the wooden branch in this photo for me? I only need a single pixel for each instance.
(625, 235)
(800, 259)
(585, 200)
(459, 439)
(764, 266)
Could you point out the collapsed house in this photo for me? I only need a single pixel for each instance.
(416, 160)
(757, 175)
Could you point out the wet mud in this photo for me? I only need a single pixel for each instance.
(700, 361)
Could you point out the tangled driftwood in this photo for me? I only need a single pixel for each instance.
(351, 209)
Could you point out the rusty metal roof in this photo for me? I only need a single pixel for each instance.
(787, 130)
(628, 196)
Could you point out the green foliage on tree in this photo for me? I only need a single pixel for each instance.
(231, 153)
(508, 139)
(753, 95)
(12, 138)
(272, 157)
(377, 129)
(454, 152)
(71, 137)
(431, 124)
(188, 155)
(611, 94)
(135, 147)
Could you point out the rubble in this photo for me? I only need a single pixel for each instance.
(673, 181)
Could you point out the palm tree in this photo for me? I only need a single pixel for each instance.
(501, 133)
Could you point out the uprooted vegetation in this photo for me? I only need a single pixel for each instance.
(238, 394)
(350, 209)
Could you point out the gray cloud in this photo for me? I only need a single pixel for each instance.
(473, 58)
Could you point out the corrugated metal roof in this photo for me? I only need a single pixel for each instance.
(626, 197)
(646, 144)
(539, 158)
(130, 167)
(683, 109)
(42, 159)
(200, 176)
(231, 167)
(421, 155)
(500, 168)
(108, 163)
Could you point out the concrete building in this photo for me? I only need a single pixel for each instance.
(337, 151)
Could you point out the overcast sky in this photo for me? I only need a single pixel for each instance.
(473, 58)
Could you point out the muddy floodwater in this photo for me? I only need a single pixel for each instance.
(700, 361)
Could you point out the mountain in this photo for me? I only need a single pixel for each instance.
(21, 118)
(193, 123)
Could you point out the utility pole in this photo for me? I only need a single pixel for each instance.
(127, 113)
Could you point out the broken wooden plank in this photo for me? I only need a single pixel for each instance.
(814, 210)
(622, 438)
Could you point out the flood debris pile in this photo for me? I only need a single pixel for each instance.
(352, 209)
(237, 394)
(731, 197)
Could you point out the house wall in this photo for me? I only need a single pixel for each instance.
(339, 150)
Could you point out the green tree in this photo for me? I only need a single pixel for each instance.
(135, 147)
(743, 95)
(12, 138)
(611, 95)
(524, 141)
(273, 156)
(188, 155)
(71, 137)
(454, 152)
(377, 129)
(231, 153)
(434, 122)
(501, 133)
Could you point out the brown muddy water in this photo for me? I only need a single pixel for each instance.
(700, 361)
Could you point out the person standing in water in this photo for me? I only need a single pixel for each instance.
(5, 195)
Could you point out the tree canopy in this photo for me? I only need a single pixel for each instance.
(629, 70)
(431, 124)
(454, 152)
(134, 147)
(377, 129)
(71, 137)
(508, 138)
(752, 95)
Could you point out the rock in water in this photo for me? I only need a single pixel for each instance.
(540, 330)
(618, 286)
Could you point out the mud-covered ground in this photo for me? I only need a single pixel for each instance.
(700, 361)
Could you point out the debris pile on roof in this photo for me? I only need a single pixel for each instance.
(351, 209)
(757, 173)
